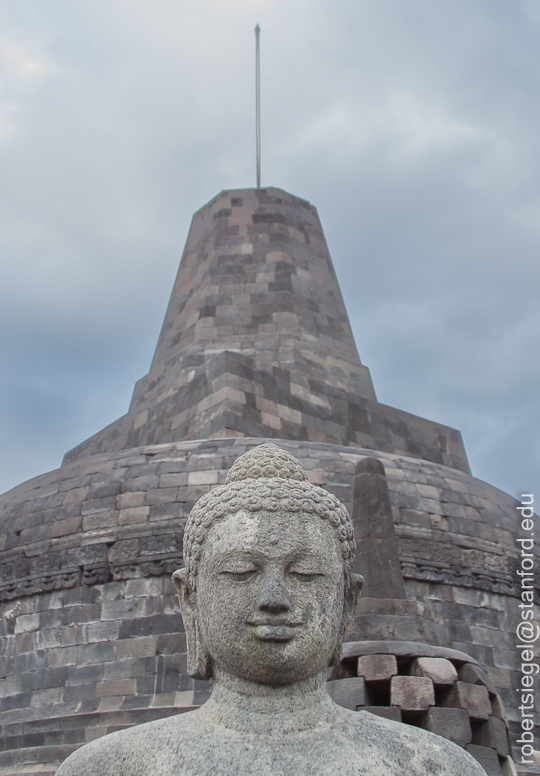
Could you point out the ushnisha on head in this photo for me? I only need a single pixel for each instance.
(267, 592)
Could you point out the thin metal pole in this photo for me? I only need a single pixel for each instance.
(258, 101)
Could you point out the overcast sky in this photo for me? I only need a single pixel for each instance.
(412, 125)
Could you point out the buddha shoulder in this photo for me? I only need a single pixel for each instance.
(136, 751)
(411, 749)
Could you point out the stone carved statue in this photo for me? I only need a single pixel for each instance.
(267, 597)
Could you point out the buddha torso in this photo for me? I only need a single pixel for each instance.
(267, 596)
(230, 739)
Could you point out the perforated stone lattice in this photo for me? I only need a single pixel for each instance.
(448, 695)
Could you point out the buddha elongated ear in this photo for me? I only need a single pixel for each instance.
(349, 610)
(199, 665)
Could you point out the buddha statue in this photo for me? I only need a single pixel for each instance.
(268, 596)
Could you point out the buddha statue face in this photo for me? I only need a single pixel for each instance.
(271, 599)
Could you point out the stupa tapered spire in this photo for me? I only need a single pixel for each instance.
(256, 342)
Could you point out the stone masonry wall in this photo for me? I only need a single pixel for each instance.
(256, 342)
(90, 625)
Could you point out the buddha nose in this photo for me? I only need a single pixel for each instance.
(274, 598)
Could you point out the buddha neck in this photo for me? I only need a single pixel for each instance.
(239, 704)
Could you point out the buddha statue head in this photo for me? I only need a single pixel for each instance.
(267, 592)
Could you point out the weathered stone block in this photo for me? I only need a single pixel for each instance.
(349, 693)
(27, 623)
(99, 520)
(203, 478)
(453, 724)
(133, 515)
(476, 675)
(65, 527)
(126, 608)
(116, 687)
(144, 646)
(131, 499)
(492, 733)
(412, 693)
(173, 480)
(377, 668)
(438, 669)
(125, 669)
(497, 708)
(76, 495)
(487, 758)
(472, 697)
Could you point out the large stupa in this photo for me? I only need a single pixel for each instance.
(256, 346)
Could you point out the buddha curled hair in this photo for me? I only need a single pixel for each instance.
(265, 479)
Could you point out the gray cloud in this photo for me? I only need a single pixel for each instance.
(411, 126)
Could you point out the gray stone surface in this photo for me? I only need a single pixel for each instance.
(377, 668)
(487, 758)
(256, 343)
(440, 670)
(472, 697)
(453, 724)
(492, 733)
(377, 551)
(412, 693)
(268, 595)
(57, 609)
(86, 551)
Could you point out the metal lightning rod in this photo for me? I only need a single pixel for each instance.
(258, 101)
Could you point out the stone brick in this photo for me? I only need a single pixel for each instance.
(438, 669)
(131, 499)
(130, 668)
(412, 693)
(102, 631)
(137, 647)
(472, 697)
(104, 489)
(348, 693)
(473, 674)
(487, 758)
(63, 656)
(93, 506)
(75, 495)
(453, 724)
(377, 668)
(66, 527)
(203, 478)
(99, 520)
(100, 652)
(116, 687)
(133, 515)
(85, 674)
(144, 588)
(173, 480)
(123, 609)
(27, 623)
(161, 496)
(497, 708)
(492, 733)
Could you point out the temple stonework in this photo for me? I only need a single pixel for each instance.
(255, 347)
(256, 343)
